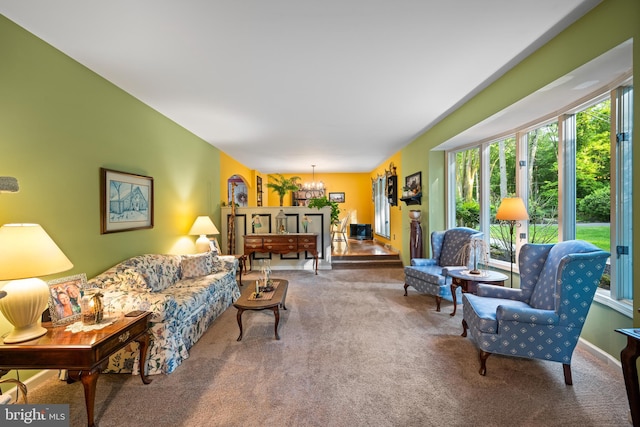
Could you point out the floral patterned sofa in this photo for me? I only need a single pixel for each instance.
(185, 293)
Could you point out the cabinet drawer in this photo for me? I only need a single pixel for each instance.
(253, 242)
(119, 340)
(280, 240)
(281, 246)
(307, 245)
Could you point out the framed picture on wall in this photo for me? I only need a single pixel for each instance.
(126, 201)
(413, 183)
(336, 197)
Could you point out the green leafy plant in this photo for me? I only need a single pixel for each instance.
(281, 185)
(321, 202)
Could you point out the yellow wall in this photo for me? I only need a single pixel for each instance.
(229, 167)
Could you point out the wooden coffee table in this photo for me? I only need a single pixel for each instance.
(469, 282)
(277, 300)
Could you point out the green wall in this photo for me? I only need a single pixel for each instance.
(59, 124)
(606, 26)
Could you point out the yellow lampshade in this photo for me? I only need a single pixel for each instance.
(27, 251)
(512, 209)
(203, 225)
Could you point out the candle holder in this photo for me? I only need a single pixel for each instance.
(92, 307)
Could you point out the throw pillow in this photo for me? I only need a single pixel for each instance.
(196, 265)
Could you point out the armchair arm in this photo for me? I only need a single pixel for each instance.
(495, 291)
(527, 315)
(423, 262)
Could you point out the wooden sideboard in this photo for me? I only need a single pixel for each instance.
(281, 244)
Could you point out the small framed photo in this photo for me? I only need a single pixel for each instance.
(64, 298)
(126, 201)
(413, 183)
(336, 197)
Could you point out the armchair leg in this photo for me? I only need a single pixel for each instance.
(483, 361)
(464, 328)
(567, 374)
(406, 285)
(438, 299)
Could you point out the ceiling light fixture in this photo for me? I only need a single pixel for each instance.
(313, 185)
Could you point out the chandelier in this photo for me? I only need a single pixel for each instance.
(313, 185)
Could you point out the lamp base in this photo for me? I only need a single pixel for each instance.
(23, 306)
(203, 244)
(28, 333)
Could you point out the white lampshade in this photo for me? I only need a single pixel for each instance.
(203, 226)
(27, 251)
(512, 209)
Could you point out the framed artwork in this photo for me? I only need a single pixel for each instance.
(126, 201)
(413, 182)
(336, 197)
(64, 298)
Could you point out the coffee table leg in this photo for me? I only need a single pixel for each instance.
(276, 312)
(239, 317)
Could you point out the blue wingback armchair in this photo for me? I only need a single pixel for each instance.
(429, 275)
(543, 319)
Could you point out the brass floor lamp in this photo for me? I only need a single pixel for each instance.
(511, 210)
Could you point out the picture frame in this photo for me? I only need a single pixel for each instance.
(414, 182)
(336, 197)
(126, 201)
(65, 310)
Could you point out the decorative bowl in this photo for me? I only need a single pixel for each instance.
(415, 214)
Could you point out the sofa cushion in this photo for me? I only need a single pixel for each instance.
(196, 265)
(159, 271)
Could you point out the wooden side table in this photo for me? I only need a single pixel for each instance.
(628, 357)
(83, 354)
(469, 282)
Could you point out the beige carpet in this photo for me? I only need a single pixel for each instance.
(353, 352)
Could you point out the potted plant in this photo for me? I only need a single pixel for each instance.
(281, 185)
(321, 202)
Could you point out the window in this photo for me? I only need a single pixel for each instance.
(576, 180)
(381, 205)
(467, 165)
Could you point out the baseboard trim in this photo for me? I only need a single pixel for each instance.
(599, 353)
(31, 383)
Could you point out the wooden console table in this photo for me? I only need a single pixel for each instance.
(281, 244)
(84, 354)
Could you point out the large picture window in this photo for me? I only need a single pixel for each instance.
(574, 174)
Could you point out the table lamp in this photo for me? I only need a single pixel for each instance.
(511, 210)
(26, 252)
(203, 226)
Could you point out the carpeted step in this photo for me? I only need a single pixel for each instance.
(359, 262)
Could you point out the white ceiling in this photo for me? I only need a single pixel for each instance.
(280, 85)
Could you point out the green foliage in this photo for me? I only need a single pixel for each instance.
(468, 214)
(321, 202)
(596, 206)
(281, 185)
